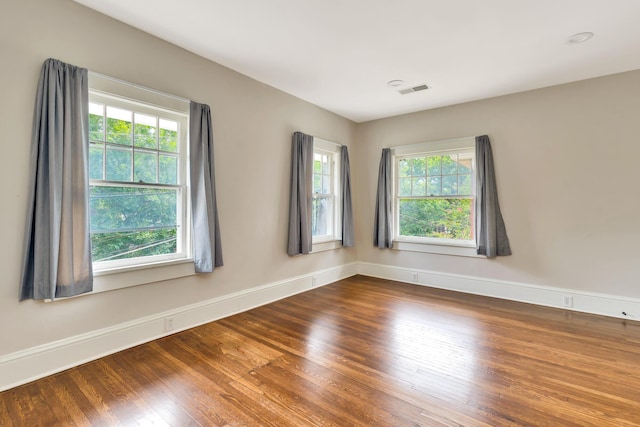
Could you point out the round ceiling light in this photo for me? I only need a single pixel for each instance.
(395, 83)
(580, 37)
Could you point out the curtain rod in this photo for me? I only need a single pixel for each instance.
(437, 140)
(137, 86)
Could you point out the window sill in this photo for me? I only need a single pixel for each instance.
(437, 248)
(326, 246)
(118, 278)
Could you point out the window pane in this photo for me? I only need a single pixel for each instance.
(326, 166)
(419, 166)
(326, 181)
(145, 131)
(317, 163)
(96, 122)
(129, 222)
(464, 163)
(95, 161)
(442, 218)
(118, 126)
(449, 165)
(450, 185)
(404, 187)
(118, 164)
(434, 186)
(322, 216)
(464, 185)
(144, 167)
(404, 168)
(168, 170)
(433, 165)
(168, 135)
(419, 186)
(317, 183)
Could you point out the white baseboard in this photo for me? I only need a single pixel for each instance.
(37, 362)
(586, 302)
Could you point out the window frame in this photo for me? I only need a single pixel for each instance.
(332, 150)
(183, 242)
(109, 275)
(432, 244)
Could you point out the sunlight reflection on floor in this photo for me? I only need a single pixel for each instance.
(430, 355)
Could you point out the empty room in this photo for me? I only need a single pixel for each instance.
(320, 213)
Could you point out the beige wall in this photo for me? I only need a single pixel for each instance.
(253, 125)
(568, 180)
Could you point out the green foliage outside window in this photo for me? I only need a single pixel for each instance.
(96, 127)
(435, 196)
(118, 131)
(122, 245)
(129, 222)
(441, 218)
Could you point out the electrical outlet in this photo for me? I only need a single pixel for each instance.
(414, 276)
(314, 281)
(168, 324)
(567, 301)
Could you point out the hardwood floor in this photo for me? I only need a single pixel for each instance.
(362, 352)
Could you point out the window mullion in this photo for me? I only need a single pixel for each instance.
(157, 138)
(133, 146)
(104, 141)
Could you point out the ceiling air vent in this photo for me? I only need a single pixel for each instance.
(413, 89)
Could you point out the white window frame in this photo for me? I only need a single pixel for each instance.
(431, 244)
(333, 240)
(110, 275)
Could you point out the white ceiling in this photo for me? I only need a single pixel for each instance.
(340, 54)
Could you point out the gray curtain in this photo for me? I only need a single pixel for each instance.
(300, 198)
(382, 224)
(491, 237)
(345, 193)
(57, 258)
(207, 246)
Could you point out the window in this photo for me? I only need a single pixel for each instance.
(434, 193)
(138, 183)
(325, 210)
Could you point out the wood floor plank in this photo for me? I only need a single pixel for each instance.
(359, 352)
(153, 392)
(58, 396)
(195, 388)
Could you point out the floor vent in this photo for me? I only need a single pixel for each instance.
(413, 89)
